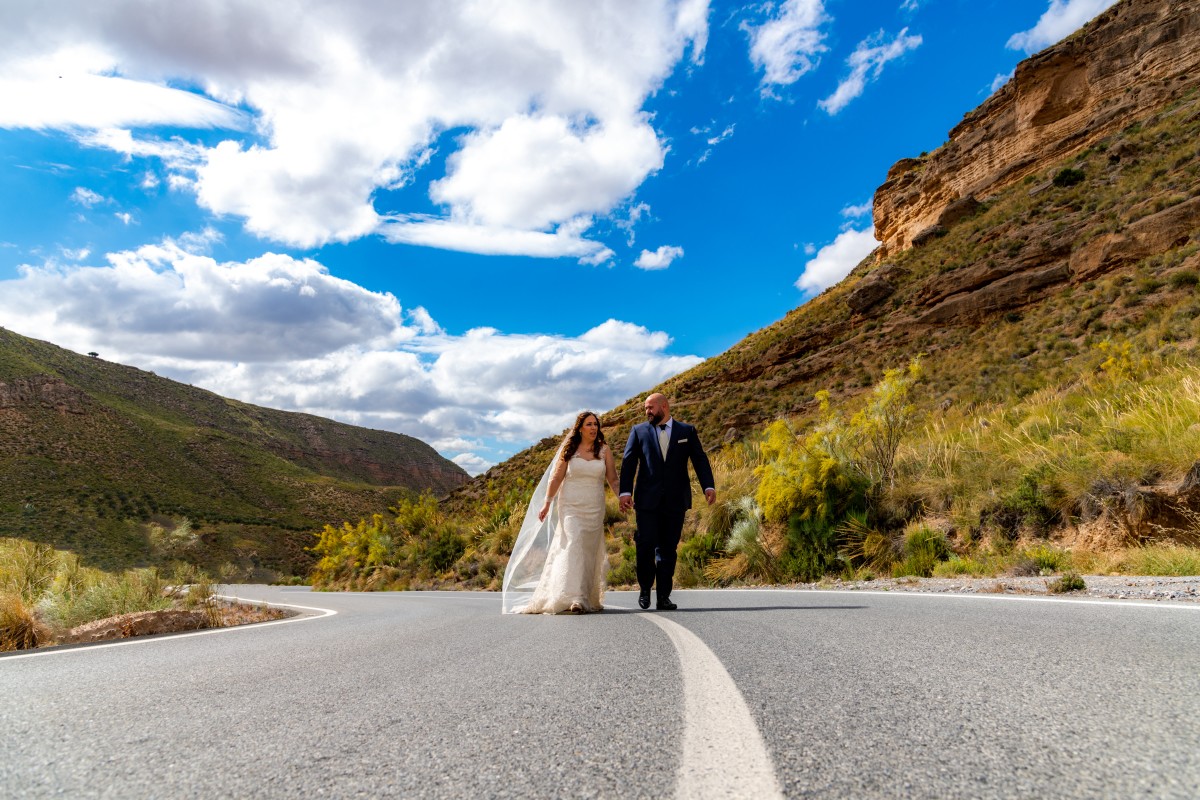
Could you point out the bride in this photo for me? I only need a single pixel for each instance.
(558, 561)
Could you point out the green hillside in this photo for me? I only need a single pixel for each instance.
(96, 456)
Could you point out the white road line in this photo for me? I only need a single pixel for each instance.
(87, 648)
(723, 752)
(440, 595)
(1111, 602)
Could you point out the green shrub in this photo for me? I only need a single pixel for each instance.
(1068, 176)
(924, 548)
(746, 551)
(1030, 503)
(113, 595)
(956, 566)
(177, 541)
(810, 478)
(442, 549)
(697, 551)
(625, 572)
(1069, 582)
(746, 538)
(811, 548)
(1046, 559)
(1184, 278)
(862, 545)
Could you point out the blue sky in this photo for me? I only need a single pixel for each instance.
(464, 221)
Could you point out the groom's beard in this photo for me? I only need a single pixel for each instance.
(655, 419)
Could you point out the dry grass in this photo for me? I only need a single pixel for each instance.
(231, 614)
(1162, 560)
(1093, 431)
(27, 569)
(46, 592)
(19, 628)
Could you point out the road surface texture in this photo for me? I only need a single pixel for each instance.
(737, 694)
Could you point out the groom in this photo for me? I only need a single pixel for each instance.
(658, 452)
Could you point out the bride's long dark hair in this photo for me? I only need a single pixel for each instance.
(573, 439)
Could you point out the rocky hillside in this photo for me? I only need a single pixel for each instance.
(91, 450)
(1063, 212)
(1132, 60)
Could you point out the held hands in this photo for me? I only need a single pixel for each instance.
(627, 502)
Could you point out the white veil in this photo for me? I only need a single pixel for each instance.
(529, 551)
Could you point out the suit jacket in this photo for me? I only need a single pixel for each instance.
(662, 483)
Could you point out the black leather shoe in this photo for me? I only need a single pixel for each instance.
(644, 599)
(665, 605)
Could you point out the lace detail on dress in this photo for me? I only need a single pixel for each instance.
(576, 561)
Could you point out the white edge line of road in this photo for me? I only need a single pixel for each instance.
(87, 648)
(1111, 602)
(1176, 605)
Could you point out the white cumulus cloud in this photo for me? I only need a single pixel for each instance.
(535, 172)
(866, 64)
(835, 260)
(790, 43)
(860, 210)
(66, 89)
(658, 259)
(420, 229)
(1000, 80)
(86, 197)
(473, 464)
(282, 332)
(1060, 20)
(536, 107)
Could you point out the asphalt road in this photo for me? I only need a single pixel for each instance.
(739, 693)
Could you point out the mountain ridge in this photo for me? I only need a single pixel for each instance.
(90, 443)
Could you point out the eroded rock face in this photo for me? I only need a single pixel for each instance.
(875, 288)
(1133, 58)
(1008, 292)
(1147, 236)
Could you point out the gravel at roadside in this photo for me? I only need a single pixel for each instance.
(1121, 587)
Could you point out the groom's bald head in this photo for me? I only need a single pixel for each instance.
(658, 407)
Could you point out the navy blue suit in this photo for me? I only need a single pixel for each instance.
(662, 494)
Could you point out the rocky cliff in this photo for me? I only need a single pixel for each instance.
(1132, 59)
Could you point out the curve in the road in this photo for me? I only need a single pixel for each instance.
(319, 613)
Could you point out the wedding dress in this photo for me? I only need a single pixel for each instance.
(562, 561)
